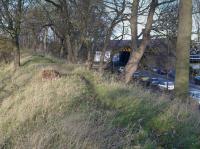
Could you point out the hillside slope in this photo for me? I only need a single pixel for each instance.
(85, 110)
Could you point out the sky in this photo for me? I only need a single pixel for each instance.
(142, 19)
(118, 29)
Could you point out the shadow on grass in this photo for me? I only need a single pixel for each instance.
(4, 94)
(8, 88)
(37, 59)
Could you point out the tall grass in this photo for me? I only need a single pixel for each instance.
(82, 109)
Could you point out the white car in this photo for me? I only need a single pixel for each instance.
(164, 85)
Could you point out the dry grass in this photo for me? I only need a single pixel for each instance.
(85, 110)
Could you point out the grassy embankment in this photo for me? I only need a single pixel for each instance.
(84, 110)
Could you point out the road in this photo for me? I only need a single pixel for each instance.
(164, 77)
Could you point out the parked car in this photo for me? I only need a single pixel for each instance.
(159, 70)
(154, 81)
(155, 69)
(162, 71)
(172, 74)
(166, 85)
(197, 80)
(137, 75)
(143, 78)
(195, 94)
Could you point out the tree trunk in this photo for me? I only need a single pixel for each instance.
(102, 59)
(103, 52)
(76, 50)
(133, 22)
(89, 59)
(16, 53)
(17, 33)
(182, 49)
(45, 40)
(137, 54)
(35, 42)
(70, 55)
(62, 48)
(90, 56)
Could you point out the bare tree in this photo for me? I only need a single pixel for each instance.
(137, 54)
(11, 17)
(139, 51)
(72, 23)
